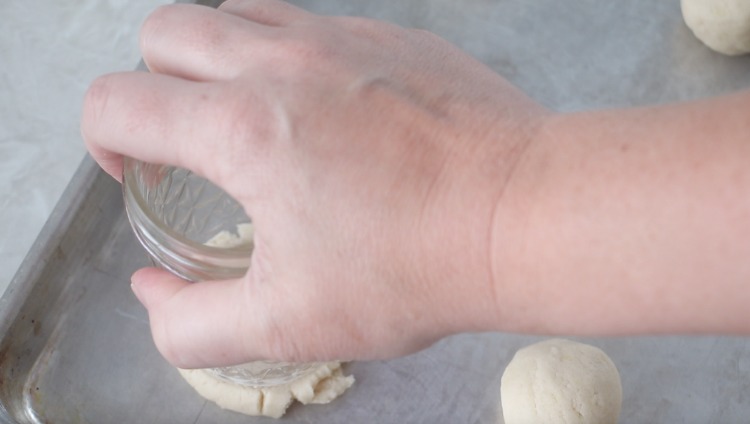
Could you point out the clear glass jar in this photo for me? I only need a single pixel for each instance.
(173, 213)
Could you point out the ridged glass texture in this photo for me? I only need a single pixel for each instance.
(173, 212)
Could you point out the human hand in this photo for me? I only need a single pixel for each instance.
(371, 159)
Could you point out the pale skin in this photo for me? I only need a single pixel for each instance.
(403, 192)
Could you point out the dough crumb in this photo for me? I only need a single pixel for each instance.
(227, 239)
(560, 382)
(324, 384)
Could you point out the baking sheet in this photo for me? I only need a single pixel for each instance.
(76, 346)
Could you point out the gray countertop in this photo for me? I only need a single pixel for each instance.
(50, 51)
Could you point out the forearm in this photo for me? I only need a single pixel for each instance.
(631, 221)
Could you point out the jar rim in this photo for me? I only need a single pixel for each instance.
(146, 224)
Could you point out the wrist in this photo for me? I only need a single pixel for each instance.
(518, 277)
(503, 170)
(611, 212)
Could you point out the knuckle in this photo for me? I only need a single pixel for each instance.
(236, 123)
(425, 36)
(152, 25)
(303, 53)
(364, 26)
(379, 32)
(186, 26)
(239, 126)
(242, 119)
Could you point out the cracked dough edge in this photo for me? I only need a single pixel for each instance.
(321, 386)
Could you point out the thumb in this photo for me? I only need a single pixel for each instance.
(197, 325)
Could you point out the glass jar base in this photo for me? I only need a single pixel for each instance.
(263, 373)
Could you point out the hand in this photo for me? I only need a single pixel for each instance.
(371, 159)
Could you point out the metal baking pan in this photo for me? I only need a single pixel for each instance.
(76, 347)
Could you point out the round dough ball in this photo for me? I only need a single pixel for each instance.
(723, 25)
(561, 382)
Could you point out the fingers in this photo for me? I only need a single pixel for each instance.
(198, 325)
(205, 44)
(196, 42)
(164, 120)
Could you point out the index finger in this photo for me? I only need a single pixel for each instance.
(162, 119)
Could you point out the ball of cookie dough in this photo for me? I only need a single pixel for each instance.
(560, 382)
(723, 25)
